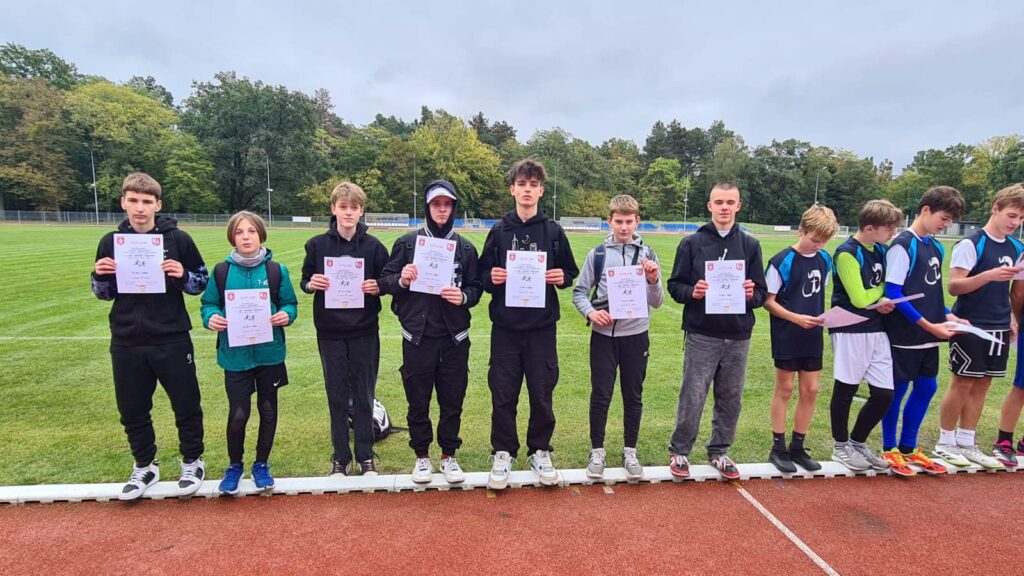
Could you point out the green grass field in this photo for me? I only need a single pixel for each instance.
(60, 422)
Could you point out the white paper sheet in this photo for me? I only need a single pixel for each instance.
(627, 292)
(725, 287)
(525, 286)
(248, 315)
(138, 258)
(435, 261)
(346, 277)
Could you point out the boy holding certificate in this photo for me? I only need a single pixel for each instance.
(149, 330)
(796, 279)
(346, 327)
(254, 368)
(618, 341)
(435, 326)
(715, 267)
(525, 257)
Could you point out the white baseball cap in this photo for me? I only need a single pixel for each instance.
(438, 191)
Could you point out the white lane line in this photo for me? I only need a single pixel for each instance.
(788, 533)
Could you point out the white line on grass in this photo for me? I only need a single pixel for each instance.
(788, 533)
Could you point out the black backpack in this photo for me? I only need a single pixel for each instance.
(382, 426)
(220, 275)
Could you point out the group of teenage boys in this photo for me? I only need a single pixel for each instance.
(894, 352)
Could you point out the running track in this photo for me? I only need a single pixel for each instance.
(962, 523)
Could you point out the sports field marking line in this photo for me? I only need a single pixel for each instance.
(825, 567)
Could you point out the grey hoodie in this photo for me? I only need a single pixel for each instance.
(616, 255)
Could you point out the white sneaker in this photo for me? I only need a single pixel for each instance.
(974, 454)
(422, 471)
(500, 469)
(451, 470)
(140, 481)
(595, 469)
(951, 454)
(192, 475)
(540, 463)
(630, 461)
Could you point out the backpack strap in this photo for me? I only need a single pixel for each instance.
(599, 254)
(553, 237)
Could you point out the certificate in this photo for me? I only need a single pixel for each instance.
(968, 329)
(725, 287)
(248, 314)
(525, 287)
(138, 258)
(627, 292)
(435, 260)
(838, 317)
(895, 300)
(346, 277)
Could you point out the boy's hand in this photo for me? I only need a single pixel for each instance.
(748, 289)
(370, 287)
(279, 319)
(498, 276)
(172, 268)
(452, 295)
(1002, 274)
(408, 274)
(940, 331)
(954, 318)
(219, 323)
(600, 318)
(886, 307)
(555, 276)
(700, 289)
(318, 282)
(651, 270)
(807, 322)
(105, 266)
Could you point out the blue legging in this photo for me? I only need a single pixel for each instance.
(913, 413)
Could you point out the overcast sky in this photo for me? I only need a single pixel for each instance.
(882, 79)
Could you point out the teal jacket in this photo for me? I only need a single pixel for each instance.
(243, 358)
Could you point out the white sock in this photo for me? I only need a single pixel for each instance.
(964, 437)
(947, 437)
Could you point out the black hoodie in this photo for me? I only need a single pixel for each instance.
(427, 314)
(150, 319)
(708, 245)
(335, 323)
(538, 234)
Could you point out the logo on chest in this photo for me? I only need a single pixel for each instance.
(813, 284)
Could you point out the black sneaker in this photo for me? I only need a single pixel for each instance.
(367, 468)
(338, 470)
(726, 467)
(782, 461)
(801, 458)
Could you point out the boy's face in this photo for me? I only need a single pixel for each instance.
(441, 210)
(526, 191)
(723, 205)
(247, 238)
(934, 222)
(141, 209)
(878, 234)
(1007, 219)
(347, 213)
(810, 243)
(622, 226)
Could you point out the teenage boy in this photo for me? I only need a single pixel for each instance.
(435, 333)
(523, 340)
(347, 338)
(913, 265)
(981, 268)
(150, 341)
(861, 351)
(716, 343)
(617, 344)
(796, 279)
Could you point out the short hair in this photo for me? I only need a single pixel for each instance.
(141, 183)
(943, 199)
(1011, 196)
(879, 213)
(819, 221)
(529, 168)
(623, 204)
(254, 219)
(349, 192)
(725, 185)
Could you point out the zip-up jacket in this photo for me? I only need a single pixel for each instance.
(616, 255)
(337, 323)
(706, 244)
(149, 319)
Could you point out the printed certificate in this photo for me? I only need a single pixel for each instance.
(627, 292)
(248, 314)
(346, 277)
(725, 287)
(435, 261)
(138, 258)
(525, 287)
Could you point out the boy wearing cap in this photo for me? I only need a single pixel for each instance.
(435, 333)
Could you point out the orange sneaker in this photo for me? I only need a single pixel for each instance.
(917, 458)
(897, 463)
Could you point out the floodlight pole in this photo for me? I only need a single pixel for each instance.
(270, 214)
(95, 199)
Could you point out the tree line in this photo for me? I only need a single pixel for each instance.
(213, 152)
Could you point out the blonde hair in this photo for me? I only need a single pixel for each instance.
(879, 213)
(1011, 196)
(819, 222)
(141, 183)
(254, 219)
(349, 192)
(623, 204)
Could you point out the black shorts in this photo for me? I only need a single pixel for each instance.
(910, 363)
(261, 378)
(804, 364)
(975, 357)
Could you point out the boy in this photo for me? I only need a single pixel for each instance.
(523, 340)
(796, 279)
(716, 344)
(435, 334)
(980, 270)
(150, 341)
(347, 338)
(861, 351)
(913, 265)
(617, 344)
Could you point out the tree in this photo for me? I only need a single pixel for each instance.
(16, 61)
(148, 87)
(589, 203)
(662, 190)
(494, 135)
